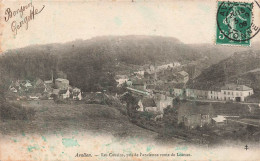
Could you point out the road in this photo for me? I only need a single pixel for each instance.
(245, 123)
(215, 101)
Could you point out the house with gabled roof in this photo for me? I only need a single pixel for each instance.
(147, 104)
(219, 120)
(183, 77)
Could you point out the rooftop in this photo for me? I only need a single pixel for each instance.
(183, 73)
(219, 118)
(48, 81)
(236, 87)
(62, 80)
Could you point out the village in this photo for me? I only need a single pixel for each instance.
(219, 112)
(156, 88)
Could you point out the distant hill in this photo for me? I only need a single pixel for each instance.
(241, 67)
(130, 49)
(217, 52)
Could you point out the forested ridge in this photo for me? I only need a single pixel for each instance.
(92, 64)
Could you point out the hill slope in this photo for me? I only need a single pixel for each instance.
(63, 118)
(242, 68)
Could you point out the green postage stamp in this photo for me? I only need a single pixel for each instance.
(235, 23)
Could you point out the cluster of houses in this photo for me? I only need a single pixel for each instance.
(143, 84)
(39, 89)
(171, 72)
(157, 99)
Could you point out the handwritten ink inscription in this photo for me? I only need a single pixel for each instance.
(17, 25)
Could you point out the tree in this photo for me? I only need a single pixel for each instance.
(170, 116)
(176, 101)
(4, 84)
(132, 103)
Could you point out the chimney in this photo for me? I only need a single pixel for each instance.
(52, 75)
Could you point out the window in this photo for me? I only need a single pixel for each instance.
(228, 93)
(224, 92)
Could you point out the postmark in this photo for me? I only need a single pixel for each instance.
(235, 23)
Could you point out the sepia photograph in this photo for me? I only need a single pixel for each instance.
(130, 80)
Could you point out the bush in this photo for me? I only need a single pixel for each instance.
(146, 115)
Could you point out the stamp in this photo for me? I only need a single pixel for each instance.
(235, 23)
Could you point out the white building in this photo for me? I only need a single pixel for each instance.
(178, 92)
(165, 66)
(229, 92)
(236, 92)
(121, 79)
(177, 64)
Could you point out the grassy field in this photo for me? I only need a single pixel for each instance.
(51, 118)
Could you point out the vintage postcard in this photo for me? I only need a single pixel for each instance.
(141, 80)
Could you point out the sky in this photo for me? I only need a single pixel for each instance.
(62, 21)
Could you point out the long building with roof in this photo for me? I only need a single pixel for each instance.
(229, 92)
